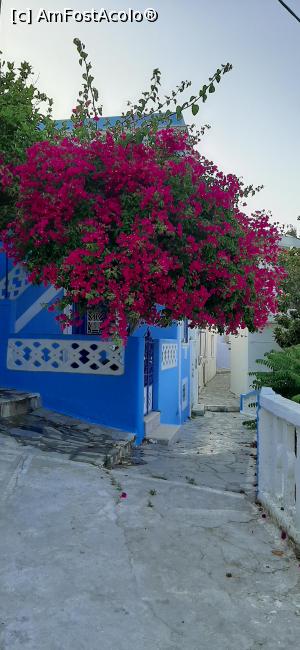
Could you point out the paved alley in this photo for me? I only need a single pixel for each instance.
(169, 552)
(216, 393)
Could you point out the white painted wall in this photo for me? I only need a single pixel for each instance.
(203, 360)
(239, 378)
(211, 355)
(207, 367)
(260, 343)
(223, 352)
(246, 348)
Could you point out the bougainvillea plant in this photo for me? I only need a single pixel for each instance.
(132, 218)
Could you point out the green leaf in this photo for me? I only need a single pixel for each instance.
(211, 88)
(178, 112)
(195, 109)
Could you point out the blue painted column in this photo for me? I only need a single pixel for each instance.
(139, 345)
(156, 372)
(7, 322)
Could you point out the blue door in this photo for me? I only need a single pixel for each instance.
(148, 373)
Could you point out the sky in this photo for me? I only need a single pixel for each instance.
(254, 114)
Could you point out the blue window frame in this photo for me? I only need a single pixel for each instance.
(91, 319)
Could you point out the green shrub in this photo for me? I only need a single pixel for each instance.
(282, 372)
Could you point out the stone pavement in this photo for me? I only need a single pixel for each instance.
(169, 553)
(216, 394)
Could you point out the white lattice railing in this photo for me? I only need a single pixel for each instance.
(169, 355)
(279, 459)
(248, 404)
(93, 357)
(16, 285)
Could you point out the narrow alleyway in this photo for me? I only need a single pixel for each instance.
(169, 552)
(217, 393)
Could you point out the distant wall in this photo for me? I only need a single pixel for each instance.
(223, 352)
(239, 378)
(207, 357)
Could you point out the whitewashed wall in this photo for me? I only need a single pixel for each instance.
(223, 352)
(203, 360)
(259, 344)
(239, 377)
(246, 348)
(207, 357)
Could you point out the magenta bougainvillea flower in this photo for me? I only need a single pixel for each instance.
(131, 225)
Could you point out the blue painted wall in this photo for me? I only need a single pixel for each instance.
(166, 388)
(44, 321)
(115, 401)
(111, 121)
(112, 401)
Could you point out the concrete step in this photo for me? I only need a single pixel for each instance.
(222, 408)
(151, 423)
(166, 434)
(200, 409)
(13, 402)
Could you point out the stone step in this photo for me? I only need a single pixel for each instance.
(151, 423)
(166, 434)
(13, 402)
(222, 408)
(200, 409)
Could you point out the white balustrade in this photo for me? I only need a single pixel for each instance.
(16, 284)
(279, 460)
(90, 356)
(248, 404)
(169, 355)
